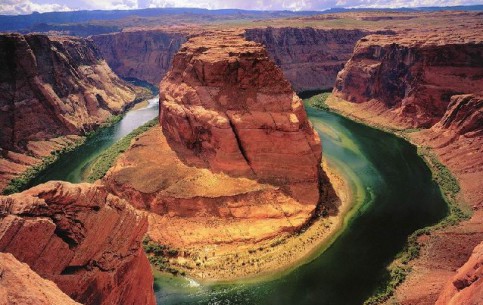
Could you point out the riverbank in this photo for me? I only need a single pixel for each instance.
(20, 171)
(214, 227)
(427, 263)
(273, 258)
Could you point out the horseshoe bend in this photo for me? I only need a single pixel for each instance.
(191, 156)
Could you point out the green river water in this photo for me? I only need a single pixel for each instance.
(393, 196)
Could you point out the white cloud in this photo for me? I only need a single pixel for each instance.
(13, 7)
(28, 6)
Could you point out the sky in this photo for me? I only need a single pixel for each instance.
(14, 7)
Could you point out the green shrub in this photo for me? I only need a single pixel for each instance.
(106, 159)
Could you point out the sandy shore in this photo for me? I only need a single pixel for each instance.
(269, 258)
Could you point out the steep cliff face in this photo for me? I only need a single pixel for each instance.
(227, 101)
(466, 287)
(310, 58)
(413, 77)
(82, 238)
(143, 54)
(51, 89)
(58, 85)
(20, 285)
(464, 116)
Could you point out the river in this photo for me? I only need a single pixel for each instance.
(393, 192)
(71, 165)
(394, 196)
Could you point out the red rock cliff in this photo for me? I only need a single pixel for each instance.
(20, 285)
(466, 287)
(143, 54)
(82, 238)
(412, 76)
(227, 101)
(58, 85)
(310, 58)
(51, 89)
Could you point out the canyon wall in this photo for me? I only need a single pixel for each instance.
(466, 286)
(82, 238)
(412, 77)
(429, 85)
(20, 285)
(142, 54)
(58, 85)
(229, 103)
(310, 58)
(51, 89)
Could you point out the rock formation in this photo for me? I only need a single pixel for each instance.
(142, 54)
(50, 88)
(82, 238)
(309, 58)
(412, 76)
(20, 285)
(234, 166)
(466, 287)
(227, 101)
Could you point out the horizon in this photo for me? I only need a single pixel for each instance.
(28, 7)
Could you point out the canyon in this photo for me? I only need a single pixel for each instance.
(309, 57)
(62, 87)
(229, 185)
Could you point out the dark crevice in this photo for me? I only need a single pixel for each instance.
(73, 269)
(66, 237)
(238, 141)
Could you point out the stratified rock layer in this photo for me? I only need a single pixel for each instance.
(82, 238)
(412, 77)
(142, 54)
(309, 58)
(466, 287)
(51, 88)
(20, 285)
(226, 101)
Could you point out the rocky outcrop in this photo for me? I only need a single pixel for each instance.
(82, 238)
(464, 116)
(20, 285)
(233, 168)
(466, 287)
(50, 88)
(412, 76)
(142, 54)
(225, 100)
(309, 58)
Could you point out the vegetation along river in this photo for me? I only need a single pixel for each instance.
(393, 192)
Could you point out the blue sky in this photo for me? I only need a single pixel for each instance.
(12, 7)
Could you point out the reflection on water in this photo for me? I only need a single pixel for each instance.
(70, 166)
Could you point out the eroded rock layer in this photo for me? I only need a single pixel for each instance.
(142, 54)
(226, 101)
(466, 287)
(82, 238)
(412, 76)
(310, 58)
(51, 89)
(20, 285)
